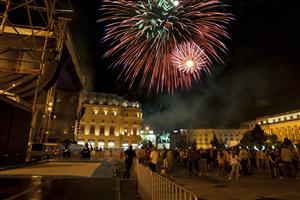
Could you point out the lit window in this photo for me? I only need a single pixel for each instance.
(80, 142)
(134, 131)
(105, 110)
(95, 111)
(81, 130)
(111, 130)
(101, 144)
(114, 112)
(125, 144)
(125, 130)
(111, 144)
(92, 129)
(101, 129)
(91, 143)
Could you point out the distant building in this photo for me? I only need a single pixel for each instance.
(283, 125)
(108, 121)
(148, 135)
(202, 137)
(179, 139)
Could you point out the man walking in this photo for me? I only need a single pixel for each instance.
(129, 155)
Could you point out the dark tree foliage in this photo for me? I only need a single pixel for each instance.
(247, 139)
(256, 136)
(216, 143)
(259, 136)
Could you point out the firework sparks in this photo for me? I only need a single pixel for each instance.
(144, 34)
(188, 57)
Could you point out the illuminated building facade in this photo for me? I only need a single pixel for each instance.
(148, 135)
(284, 125)
(202, 137)
(108, 121)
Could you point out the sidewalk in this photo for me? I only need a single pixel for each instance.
(259, 186)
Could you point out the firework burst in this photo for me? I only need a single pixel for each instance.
(144, 34)
(189, 58)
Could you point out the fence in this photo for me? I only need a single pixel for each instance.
(152, 186)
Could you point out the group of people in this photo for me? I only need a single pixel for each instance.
(280, 163)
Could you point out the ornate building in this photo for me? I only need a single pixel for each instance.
(283, 125)
(202, 137)
(108, 121)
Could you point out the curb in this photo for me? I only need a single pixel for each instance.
(8, 167)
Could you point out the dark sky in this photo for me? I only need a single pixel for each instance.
(260, 76)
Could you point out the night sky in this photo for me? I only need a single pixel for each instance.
(260, 76)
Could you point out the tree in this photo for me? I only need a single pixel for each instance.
(259, 136)
(247, 139)
(256, 136)
(214, 141)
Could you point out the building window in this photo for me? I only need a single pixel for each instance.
(91, 144)
(81, 130)
(102, 121)
(111, 144)
(134, 122)
(137, 114)
(125, 130)
(114, 112)
(125, 144)
(101, 144)
(112, 121)
(92, 129)
(111, 130)
(95, 111)
(80, 142)
(93, 120)
(101, 129)
(105, 110)
(134, 131)
(134, 144)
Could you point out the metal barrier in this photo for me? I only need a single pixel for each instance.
(152, 186)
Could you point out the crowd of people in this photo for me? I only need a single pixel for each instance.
(281, 162)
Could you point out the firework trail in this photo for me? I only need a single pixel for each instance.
(149, 38)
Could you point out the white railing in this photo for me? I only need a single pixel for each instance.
(152, 186)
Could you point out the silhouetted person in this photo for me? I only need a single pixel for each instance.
(129, 155)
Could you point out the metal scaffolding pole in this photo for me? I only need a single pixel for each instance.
(28, 45)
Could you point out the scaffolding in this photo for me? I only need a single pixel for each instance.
(32, 37)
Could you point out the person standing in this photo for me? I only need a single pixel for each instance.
(273, 160)
(243, 156)
(287, 157)
(153, 159)
(235, 166)
(129, 155)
